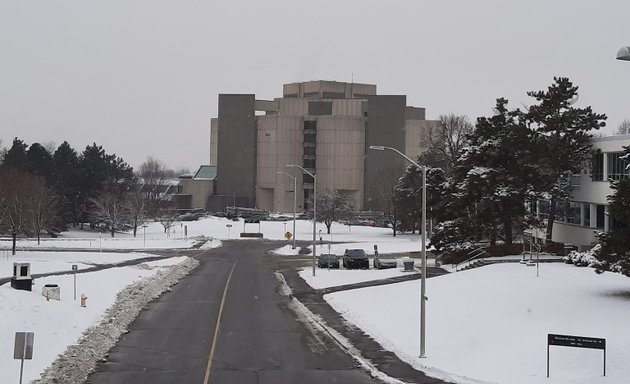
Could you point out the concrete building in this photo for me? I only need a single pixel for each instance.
(326, 127)
(586, 213)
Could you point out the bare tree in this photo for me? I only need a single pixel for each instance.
(42, 208)
(153, 173)
(15, 187)
(624, 127)
(136, 207)
(111, 209)
(333, 206)
(447, 141)
(167, 218)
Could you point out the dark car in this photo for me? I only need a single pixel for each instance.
(328, 260)
(385, 260)
(355, 258)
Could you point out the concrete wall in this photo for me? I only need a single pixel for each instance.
(385, 126)
(592, 193)
(340, 155)
(214, 139)
(199, 190)
(328, 89)
(280, 140)
(236, 152)
(293, 107)
(416, 133)
(347, 107)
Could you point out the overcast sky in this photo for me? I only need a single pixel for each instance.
(141, 78)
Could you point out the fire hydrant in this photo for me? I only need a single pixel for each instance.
(83, 300)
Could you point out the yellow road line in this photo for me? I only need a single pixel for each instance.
(216, 329)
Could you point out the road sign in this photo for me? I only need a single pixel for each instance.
(288, 235)
(23, 345)
(75, 267)
(23, 348)
(576, 342)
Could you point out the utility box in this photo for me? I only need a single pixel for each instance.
(51, 292)
(22, 277)
(407, 264)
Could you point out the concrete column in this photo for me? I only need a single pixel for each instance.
(605, 168)
(606, 220)
(593, 209)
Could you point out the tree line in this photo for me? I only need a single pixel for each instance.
(44, 190)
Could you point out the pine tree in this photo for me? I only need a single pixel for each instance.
(15, 157)
(67, 181)
(565, 139)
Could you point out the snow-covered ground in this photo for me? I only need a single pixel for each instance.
(183, 235)
(57, 324)
(325, 278)
(490, 324)
(48, 262)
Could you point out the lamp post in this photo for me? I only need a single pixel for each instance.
(623, 54)
(314, 208)
(423, 287)
(294, 201)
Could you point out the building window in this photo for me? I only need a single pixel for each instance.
(561, 211)
(574, 212)
(544, 207)
(309, 163)
(310, 138)
(310, 151)
(601, 216)
(597, 167)
(617, 166)
(587, 214)
(310, 124)
(320, 108)
(307, 179)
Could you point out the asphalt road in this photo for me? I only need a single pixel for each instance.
(260, 339)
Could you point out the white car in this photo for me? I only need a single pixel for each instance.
(385, 260)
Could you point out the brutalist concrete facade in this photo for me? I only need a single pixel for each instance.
(326, 127)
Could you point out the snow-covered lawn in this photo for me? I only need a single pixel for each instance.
(57, 324)
(47, 262)
(184, 235)
(332, 277)
(490, 324)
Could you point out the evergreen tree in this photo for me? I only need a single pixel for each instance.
(15, 157)
(39, 162)
(67, 181)
(565, 140)
(101, 172)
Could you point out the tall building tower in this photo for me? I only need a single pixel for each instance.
(326, 127)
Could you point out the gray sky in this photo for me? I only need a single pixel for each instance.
(141, 78)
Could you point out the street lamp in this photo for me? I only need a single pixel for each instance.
(624, 54)
(314, 208)
(294, 201)
(423, 288)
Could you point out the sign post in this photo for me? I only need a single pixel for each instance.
(228, 227)
(576, 342)
(23, 348)
(74, 270)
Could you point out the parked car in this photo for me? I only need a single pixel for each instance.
(355, 258)
(384, 260)
(328, 260)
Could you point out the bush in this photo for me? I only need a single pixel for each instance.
(583, 259)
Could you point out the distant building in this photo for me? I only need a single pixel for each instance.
(586, 213)
(326, 127)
